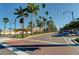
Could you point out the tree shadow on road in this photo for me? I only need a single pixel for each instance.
(36, 47)
(27, 48)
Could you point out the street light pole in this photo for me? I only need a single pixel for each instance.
(72, 14)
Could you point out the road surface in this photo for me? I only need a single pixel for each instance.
(41, 45)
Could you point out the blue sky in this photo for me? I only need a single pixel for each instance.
(55, 11)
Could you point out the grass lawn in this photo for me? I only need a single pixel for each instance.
(25, 35)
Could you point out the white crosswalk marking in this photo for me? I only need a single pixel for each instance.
(68, 40)
(16, 51)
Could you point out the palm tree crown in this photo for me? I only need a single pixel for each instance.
(5, 20)
(32, 8)
(20, 12)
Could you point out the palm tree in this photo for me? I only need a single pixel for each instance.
(21, 14)
(10, 27)
(47, 13)
(41, 24)
(50, 17)
(29, 26)
(51, 26)
(43, 6)
(33, 9)
(5, 21)
(44, 23)
(15, 27)
(38, 24)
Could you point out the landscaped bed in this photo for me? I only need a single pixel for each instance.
(77, 40)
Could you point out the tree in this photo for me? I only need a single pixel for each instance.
(73, 25)
(44, 23)
(10, 27)
(51, 26)
(38, 24)
(21, 14)
(33, 9)
(5, 21)
(30, 23)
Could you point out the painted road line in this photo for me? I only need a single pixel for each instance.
(66, 40)
(15, 50)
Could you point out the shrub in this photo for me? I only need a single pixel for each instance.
(77, 39)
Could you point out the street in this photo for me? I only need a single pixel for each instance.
(42, 45)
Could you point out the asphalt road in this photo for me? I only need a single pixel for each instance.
(42, 45)
(5, 51)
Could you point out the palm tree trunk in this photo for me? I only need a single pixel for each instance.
(22, 30)
(10, 27)
(39, 30)
(15, 27)
(32, 24)
(4, 28)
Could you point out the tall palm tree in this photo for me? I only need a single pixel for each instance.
(44, 23)
(10, 27)
(51, 26)
(43, 6)
(50, 17)
(21, 14)
(5, 21)
(33, 9)
(47, 13)
(38, 24)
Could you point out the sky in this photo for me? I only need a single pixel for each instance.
(55, 11)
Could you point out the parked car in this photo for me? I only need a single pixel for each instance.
(77, 33)
(64, 33)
